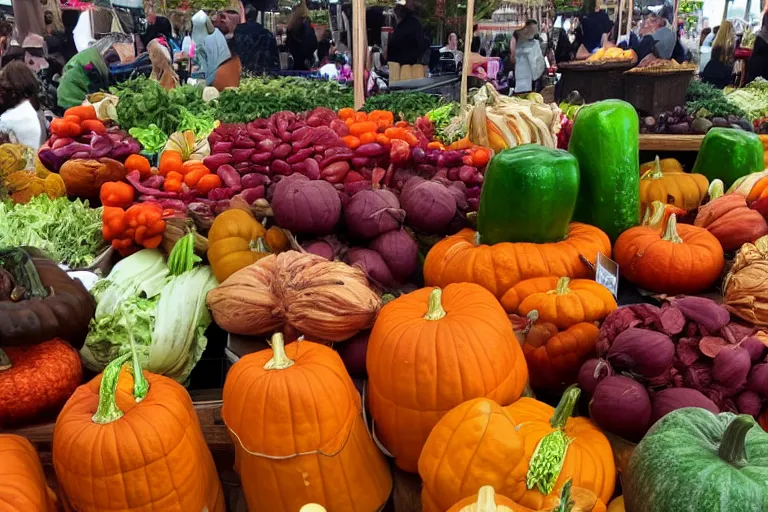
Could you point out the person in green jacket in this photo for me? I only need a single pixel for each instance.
(84, 74)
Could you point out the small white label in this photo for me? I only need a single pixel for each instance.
(607, 273)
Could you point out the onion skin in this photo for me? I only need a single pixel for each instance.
(621, 406)
(591, 373)
(399, 251)
(353, 351)
(429, 205)
(731, 367)
(749, 402)
(646, 352)
(304, 206)
(373, 265)
(320, 248)
(754, 347)
(758, 379)
(371, 213)
(672, 399)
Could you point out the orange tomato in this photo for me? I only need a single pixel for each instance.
(368, 137)
(383, 139)
(346, 113)
(351, 141)
(359, 128)
(360, 117)
(481, 157)
(208, 183)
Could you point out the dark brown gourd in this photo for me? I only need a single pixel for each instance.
(64, 312)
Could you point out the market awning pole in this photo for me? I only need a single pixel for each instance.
(630, 15)
(620, 18)
(674, 19)
(359, 51)
(467, 52)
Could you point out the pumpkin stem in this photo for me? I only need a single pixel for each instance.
(654, 173)
(435, 310)
(716, 189)
(670, 232)
(5, 361)
(280, 360)
(566, 504)
(486, 499)
(477, 239)
(654, 215)
(565, 408)
(107, 411)
(733, 448)
(140, 384)
(562, 286)
(260, 246)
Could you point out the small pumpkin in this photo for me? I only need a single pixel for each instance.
(720, 462)
(527, 451)
(555, 357)
(571, 499)
(237, 240)
(36, 380)
(429, 351)
(665, 165)
(63, 309)
(497, 268)
(617, 505)
(139, 436)
(683, 259)
(22, 480)
(84, 178)
(487, 500)
(730, 219)
(561, 301)
(296, 421)
(669, 184)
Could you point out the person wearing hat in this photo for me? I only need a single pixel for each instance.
(406, 44)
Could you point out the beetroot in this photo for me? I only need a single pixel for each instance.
(758, 379)
(710, 346)
(592, 372)
(621, 406)
(749, 402)
(687, 351)
(648, 353)
(306, 206)
(371, 213)
(429, 206)
(213, 162)
(320, 248)
(400, 251)
(672, 399)
(374, 266)
(754, 347)
(707, 313)
(731, 367)
(353, 352)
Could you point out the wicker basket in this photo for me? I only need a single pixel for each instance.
(595, 82)
(653, 93)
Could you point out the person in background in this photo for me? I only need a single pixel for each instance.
(529, 60)
(324, 46)
(406, 44)
(757, 66)
(718, 71)
(662, 38)
(302, 41)
(475, 46)
(374, 22)
(217, 53)
(711, 36)
(703, 36)
(20, 116)
(453, 47)
(725, 39)
(85, 73)
(595, 27)
(255, 45)
(162, 64)
(161, 28)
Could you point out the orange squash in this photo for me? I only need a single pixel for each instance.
(527, 451)
(237, 240)
(497, 268)
(669, 184)
(295, 419)
(429, 351)
(22, 480)
(140, 439)
(561, 301)
(578, 500)
(487, 500)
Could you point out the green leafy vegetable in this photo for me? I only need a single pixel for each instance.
(166, 315)
(152, 138)
(183, 257)
(68, 231)
(752, 99)
(705, 100)
(448, 128)
(408, 105)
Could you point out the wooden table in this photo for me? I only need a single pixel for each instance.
(654, 142)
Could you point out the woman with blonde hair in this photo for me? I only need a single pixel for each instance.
(719, 70)
(302, 40)
(726, 41)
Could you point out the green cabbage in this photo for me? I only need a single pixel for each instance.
(166, 315)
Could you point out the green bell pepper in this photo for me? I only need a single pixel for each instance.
(729, 154)
(529, 195)
(605, 141)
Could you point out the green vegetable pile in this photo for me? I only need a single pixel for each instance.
(407, 105)
(144, 102)
(258, 98)
(704, 100)
(165, 314)
(69, 231)
(448, 128)
(152, 138)
(753, 99)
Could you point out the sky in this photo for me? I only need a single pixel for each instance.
(713, 9)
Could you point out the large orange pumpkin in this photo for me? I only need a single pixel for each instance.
(561, 301)
(429, 351)
(127, 444)
(682, 259)
(22, 481)
(497, 268)
(527, 451)
(295, 418)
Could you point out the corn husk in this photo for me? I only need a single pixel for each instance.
(175, 228)
(745, 289)
(186, 144)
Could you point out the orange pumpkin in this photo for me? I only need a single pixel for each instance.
(617, 505)
(683, 259)
(555, 357)
(295, 419)
(579, 500)
(22, 480)
(236, 240)
(670, 185)
(124, 444)
(487, 500)
(429, 351)
(666, 165)
(527, 451)
(497, 268)
(561, 301)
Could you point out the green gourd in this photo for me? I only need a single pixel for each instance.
(529, 194)
(729, 154)
(605, 141)
(695, 461)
